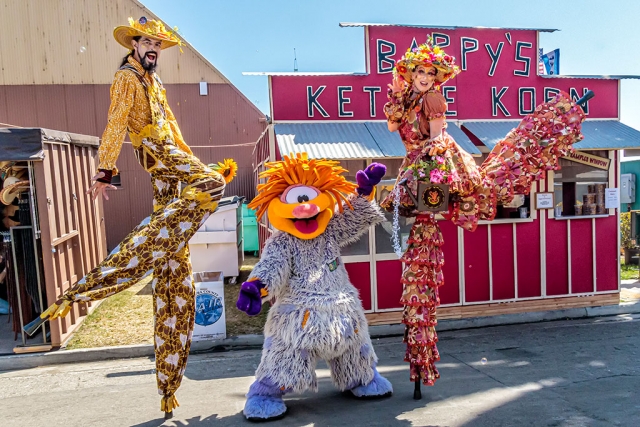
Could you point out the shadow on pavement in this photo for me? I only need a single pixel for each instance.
(130, 373)
(575, 373)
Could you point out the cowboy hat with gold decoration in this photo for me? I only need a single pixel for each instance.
(14, 171)
(144, 27)
(11, 188)
(430, 56)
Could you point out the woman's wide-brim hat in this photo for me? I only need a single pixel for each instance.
(11, 188)
(427, 55)
(144, 27)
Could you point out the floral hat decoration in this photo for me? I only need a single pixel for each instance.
(430, 56)
(146, 28)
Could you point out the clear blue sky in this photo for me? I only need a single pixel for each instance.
(596, 37)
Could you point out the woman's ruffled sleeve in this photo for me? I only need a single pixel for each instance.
(434, 106)
(394, 109)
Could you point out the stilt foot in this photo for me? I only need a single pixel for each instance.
(417, 394)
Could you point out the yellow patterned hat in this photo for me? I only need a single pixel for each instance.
(146, 28)
(430, 56)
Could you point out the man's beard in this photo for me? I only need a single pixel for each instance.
(150, 67)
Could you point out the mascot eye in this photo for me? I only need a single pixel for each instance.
(299, 194)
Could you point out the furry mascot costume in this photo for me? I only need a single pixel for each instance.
(317, 313)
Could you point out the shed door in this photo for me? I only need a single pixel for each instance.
(71, 223)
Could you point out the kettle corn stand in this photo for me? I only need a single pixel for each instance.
(529, 258)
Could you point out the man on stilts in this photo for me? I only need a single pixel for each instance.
(159, 245)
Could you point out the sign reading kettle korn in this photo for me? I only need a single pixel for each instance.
(499, 79)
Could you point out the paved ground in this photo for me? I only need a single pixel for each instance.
(630, 290)
(565, 373)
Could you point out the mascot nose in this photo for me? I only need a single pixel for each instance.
(306, 210)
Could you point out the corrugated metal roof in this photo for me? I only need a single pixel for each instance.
(346, 140)
(349, 140)
(389, 142)
(610, 134)
(462, 139)
(439, 27)
(490, 132)
(596, 77)
(598, 134)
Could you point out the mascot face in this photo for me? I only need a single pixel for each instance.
(302, 210)
(301, 194)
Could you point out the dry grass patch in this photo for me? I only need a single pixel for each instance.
(238, 322)
(127, 318)
(122, 319)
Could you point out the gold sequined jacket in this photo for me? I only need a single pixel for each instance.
(130, 111)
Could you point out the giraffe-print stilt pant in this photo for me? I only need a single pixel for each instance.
(159, 247)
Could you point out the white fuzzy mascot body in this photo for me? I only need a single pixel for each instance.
(317, 313)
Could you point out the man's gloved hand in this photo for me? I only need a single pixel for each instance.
(250, 298)
(367, 179)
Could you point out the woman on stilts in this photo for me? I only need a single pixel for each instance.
(416, 110)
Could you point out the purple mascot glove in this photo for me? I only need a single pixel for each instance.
(250, 299)
(369, 178)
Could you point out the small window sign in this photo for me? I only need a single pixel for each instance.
(544, 200)
(611, 198)
(203, 89)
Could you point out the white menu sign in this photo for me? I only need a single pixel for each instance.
(544, 200)
(611, 198)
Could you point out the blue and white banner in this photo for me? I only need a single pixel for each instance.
(551, 62)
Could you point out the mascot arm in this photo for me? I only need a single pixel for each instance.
(268, 277)
(347, 227)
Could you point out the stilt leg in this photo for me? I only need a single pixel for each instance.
(417, 394)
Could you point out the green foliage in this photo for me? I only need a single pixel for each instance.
(626, 239)
(629, 271)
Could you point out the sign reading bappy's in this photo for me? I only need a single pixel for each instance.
(498, 80)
